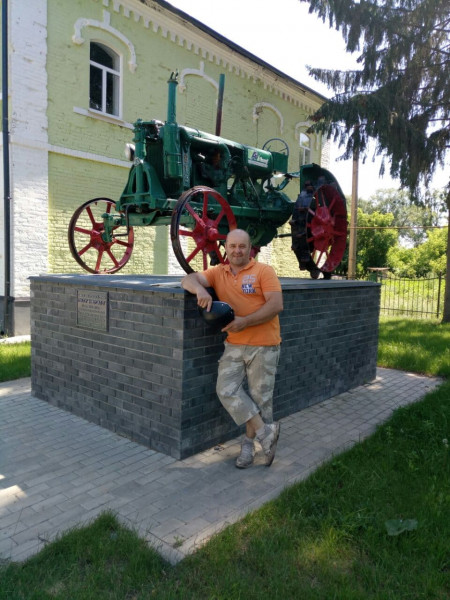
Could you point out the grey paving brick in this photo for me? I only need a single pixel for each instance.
(167, 527)
(22, 503)
(100, 501)
(20, 552)
(9, 531)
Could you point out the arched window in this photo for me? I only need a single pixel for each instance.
(104, 80)
(305, 149)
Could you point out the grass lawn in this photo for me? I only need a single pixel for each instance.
(416, 346)
(372, 523)
(15, 361)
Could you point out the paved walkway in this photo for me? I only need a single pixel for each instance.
(58, 471)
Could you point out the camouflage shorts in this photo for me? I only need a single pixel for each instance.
(259, 365)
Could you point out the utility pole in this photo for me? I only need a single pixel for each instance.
(351, 273)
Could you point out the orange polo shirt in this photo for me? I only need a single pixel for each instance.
(244, 292)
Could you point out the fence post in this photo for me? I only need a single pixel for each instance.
(439, 295)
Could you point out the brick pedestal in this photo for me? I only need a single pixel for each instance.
(146, 365)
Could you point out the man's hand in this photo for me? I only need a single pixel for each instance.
(235, 326)
(204, 299)
(272, 306)
(195, 283)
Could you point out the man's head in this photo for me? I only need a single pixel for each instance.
(238, 247)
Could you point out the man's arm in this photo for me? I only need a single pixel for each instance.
(269, 310)
(195, 283)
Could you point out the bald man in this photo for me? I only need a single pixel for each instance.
(252, 346)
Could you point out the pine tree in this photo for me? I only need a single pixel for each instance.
(400, 96)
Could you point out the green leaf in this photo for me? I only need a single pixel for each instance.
(398, 526)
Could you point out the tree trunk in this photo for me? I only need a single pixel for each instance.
(446, 317)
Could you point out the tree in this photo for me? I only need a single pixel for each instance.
(401, 94)
(411, 218)
(428, 258)
(374, 241)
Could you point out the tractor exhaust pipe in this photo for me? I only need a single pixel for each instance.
(172, 100)
(171, 134)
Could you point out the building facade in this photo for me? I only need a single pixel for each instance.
(80, 74)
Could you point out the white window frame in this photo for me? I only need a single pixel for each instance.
(117, 90)
(305, 151)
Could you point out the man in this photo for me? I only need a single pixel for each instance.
(252, 347)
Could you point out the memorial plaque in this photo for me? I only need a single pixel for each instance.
(92, 309)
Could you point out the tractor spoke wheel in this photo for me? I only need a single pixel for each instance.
(200, 222)
(87, 245)
(326, 229)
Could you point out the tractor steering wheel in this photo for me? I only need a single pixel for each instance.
(278, 144)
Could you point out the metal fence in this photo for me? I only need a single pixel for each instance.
(418, 298)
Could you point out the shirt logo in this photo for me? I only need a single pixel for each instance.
(247, 284)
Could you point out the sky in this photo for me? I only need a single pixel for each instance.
(283, 34)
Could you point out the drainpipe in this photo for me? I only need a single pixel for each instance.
(6, 180)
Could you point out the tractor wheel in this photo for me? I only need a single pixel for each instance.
(87, 244)
(326, 229)
(200, 222)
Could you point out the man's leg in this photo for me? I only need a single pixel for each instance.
(261, 372)
(229, 388)
(237, 402)
(259, 364)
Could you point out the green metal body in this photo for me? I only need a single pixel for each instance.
(170, 159)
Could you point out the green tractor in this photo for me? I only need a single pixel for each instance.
(203, 186)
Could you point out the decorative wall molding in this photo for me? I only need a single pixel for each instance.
(105, 25)
(315, 139)
(301, 125)
(259, 106)
(196, 72)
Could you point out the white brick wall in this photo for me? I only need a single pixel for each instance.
(28, 150)
(2, 231)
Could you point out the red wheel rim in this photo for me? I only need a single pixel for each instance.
(200, 223)
(87, 244)
(326, 228)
